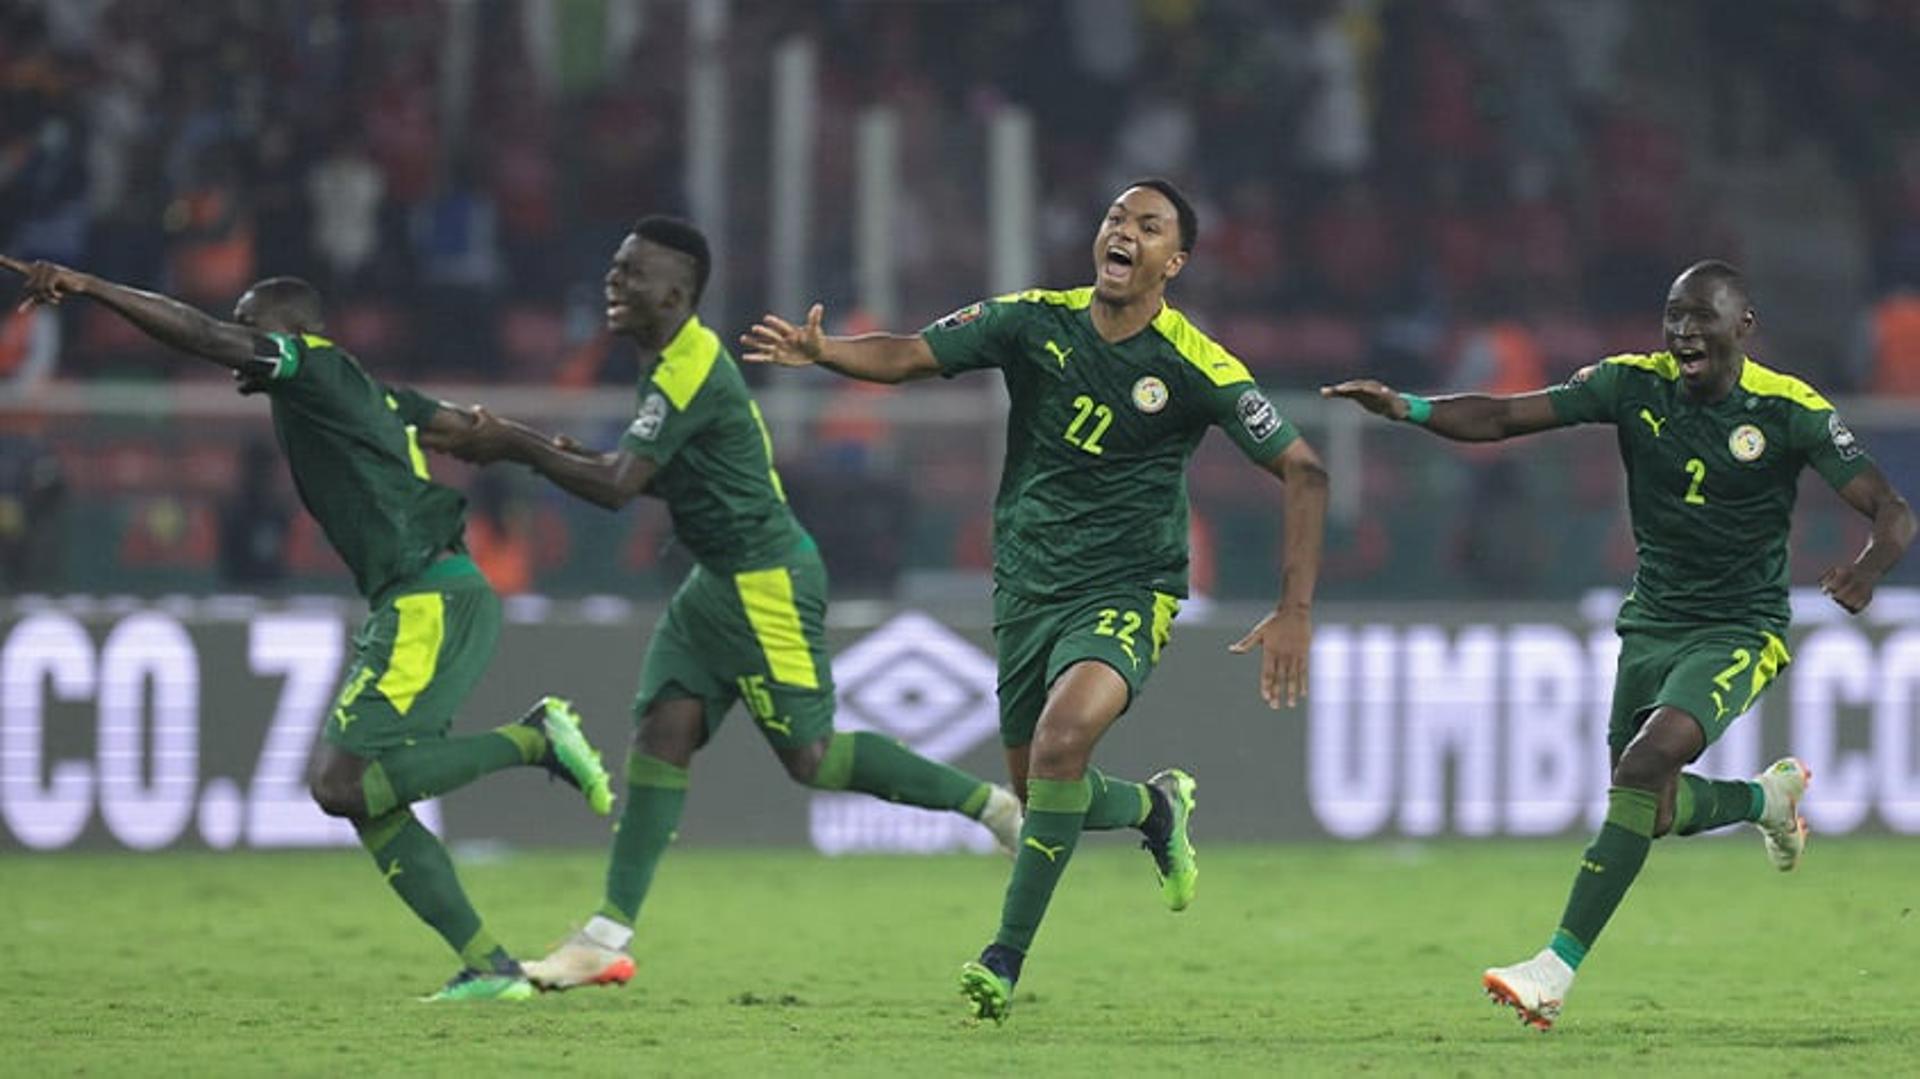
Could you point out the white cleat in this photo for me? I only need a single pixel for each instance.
(1781, 826)
(580, 961)
(1002, 816)
(1536, 988)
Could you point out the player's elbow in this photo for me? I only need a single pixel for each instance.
(1302, 469)
(1307, 474)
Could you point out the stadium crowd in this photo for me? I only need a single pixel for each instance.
(1469, 189)
(1475, 194)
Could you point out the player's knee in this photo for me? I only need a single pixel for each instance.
(1060, 753)
(336, 796)
(667, 739)
(803, 763)
(1648, 765)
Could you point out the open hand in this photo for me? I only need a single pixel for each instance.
(1286, 641)
(1371, 394)
(775, 340)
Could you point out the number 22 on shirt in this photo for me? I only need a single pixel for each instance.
(1087, 437)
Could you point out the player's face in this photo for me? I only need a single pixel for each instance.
(644, 287)
(1137, 248)
(1705, 322)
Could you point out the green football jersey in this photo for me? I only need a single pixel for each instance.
(1094, 491)
(1710, 488)
(351, 446)
(700, 425)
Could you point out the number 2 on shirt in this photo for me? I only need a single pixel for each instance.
(1087, 408)
(1698, 470)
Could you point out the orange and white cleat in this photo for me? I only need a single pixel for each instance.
(1782, 828)
(580, 961)
(1536, 988)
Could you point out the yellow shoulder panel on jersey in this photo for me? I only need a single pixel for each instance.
(314, 340)
(686, 362)
(1659, 363)
(1072, 299)
(1203, 352)
(1766, 382)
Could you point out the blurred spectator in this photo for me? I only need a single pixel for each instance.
(211, 254)
(33, 493)
(255, 522)
(29, 347)
(345, 191)
(499, 534)
(1889, 362)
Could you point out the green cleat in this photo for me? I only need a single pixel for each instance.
(570, 757)
(1172, 850)
(482, 985)
(989, 996)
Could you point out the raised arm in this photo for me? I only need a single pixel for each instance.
(1465, 417)
(162, 318)
(608, 480)
(1286, 635)
(872, 357)
(1852, 585)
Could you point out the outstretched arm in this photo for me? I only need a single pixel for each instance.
(872, 357)
(1286, 635)
(1852, 585)
(162, 318)
(1466, 417)
(608, 480)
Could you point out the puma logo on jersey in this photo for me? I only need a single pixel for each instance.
(1653, 421)
(1052, 853)
(1059, 353)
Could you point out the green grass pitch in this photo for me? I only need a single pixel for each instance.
(1295, 960)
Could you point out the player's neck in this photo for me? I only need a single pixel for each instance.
(1721, 388)
(1119, 321)
(650, 348)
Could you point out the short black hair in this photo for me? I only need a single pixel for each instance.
(294, 300)
(676, 234)
(1182, 209)
(1721, 272)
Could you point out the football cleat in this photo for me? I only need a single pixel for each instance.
(570, 758)
(1536, 989)
(472, 984)
(581, 962)
(989, 995)
(1002, 816)
(1782, 828)
(1172, 849)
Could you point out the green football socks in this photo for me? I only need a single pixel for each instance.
(1701, 804)
(416, 865)
(880, 766)
(1116, 803)
(1056, 814)
(656, 793)
(429, 769)
(1607, 870)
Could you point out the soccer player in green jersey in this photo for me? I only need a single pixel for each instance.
(1713, 444)
(1111, 390)
(748, 623)
(351, 445)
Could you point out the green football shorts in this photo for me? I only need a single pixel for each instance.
(1124, 628)
(415, 659)
(758, 637)
(1712, 673)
